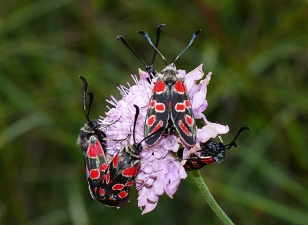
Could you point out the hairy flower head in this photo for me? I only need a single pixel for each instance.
(161, 171)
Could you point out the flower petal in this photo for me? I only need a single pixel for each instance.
(192, 77)
(211, 130)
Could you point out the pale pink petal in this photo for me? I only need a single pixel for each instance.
(192, 77)
(182, 73)
(172, 187)
(211, 130)
(149, 207)
(143, 75)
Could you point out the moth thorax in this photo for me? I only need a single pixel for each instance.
(87, 128)
(170, 68)
(170, 75)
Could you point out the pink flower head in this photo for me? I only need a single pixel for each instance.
(160, 171)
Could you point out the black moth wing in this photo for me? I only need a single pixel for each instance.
(158, 112)
(120, 176)
(182, 114)
(195, 163)
(95, 164)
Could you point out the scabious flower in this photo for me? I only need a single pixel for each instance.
(161, 171)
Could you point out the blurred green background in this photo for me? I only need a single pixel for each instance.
(258, 53)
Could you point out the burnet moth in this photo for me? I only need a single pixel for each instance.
(170, 106)
(121, 173)
(210, 152)
(109, 183)
(92, 142)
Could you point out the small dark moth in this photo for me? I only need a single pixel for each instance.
(92, 142)
(121, 173)
(210, 152)
(109, 183)
(170, 106)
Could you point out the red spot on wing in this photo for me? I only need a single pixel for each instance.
(189, 120)
(112, 199)
(117, 187)
(129, 172)
(123, 194)
(187, 103)
(136, 169)
(101, 191)
(107, 178)
(94, 174)
(151, 120)
(159, 125)
(152, 103)
(180, 107)
(91, 152)
(99, 148)
(103, 167)
(179, 87)
(129, 183)
(159, 87)
(95, 150)
(115, 161)
(160, 108)
(184, 128)
(207, 160)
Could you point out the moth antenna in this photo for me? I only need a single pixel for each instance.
(127, 137)
(135, 122)
(85, 93)
(147, 37)
(232, 143)
(121, 38)
(191, 41)
(152, 134)
(159, 28)
(90, 102)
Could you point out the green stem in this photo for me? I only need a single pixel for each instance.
(209, 198)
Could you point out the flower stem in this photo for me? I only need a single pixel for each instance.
(209, 198)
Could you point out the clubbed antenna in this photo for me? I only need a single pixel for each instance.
(85, 93)
(121, 38)
(228, 146)
(151, 71)
(191, 41)
(159, 28)
(147, 37)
